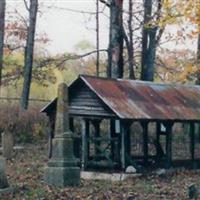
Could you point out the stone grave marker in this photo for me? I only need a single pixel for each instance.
(3, 178)
(7, 144)
(62, 169)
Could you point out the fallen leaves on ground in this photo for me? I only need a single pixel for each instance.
(25, 172)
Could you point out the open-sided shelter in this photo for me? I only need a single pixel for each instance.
(123, 102)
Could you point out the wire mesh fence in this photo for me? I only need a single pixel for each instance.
(15, 101)
(180, 141)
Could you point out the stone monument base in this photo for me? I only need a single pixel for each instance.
(3, 177)
(7, 144)
(62, 169)
(62, 176)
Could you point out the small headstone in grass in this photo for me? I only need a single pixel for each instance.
(130, 198)
(3, 178)
(161, 172)
(192, 192)
(7, 144)
(130, 169)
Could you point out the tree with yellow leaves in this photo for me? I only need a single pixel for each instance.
(185, 16)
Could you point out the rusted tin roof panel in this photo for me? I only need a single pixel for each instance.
(145, 100)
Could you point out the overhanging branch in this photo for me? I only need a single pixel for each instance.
(61, 60)
(105, 2)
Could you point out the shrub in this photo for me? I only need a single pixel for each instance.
(27, 126)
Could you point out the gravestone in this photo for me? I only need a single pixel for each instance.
(7, 144)
(192, 192)
(3, 178)
(62, 169)
(130, 169)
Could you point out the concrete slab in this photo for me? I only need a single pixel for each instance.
(88, 175)
(18, 148)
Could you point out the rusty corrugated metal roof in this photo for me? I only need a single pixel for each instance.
(131, 99)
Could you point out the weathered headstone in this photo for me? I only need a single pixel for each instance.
(192, 192)
(161, 172)
(7, 144)
(62, 169)
(3, 178)
(130, 169)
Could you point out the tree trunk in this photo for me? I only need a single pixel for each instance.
(130, 48)
(149, 41)
(198, 75)
(115, 50)
(198, 49)
(145, 41)
(198, 60)
(28, 57)
(2, 22)
(151, 53)
(97, 37)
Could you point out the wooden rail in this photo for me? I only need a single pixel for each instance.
(17, 99)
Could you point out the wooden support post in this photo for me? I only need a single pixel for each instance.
(84, 144)
(52, 119)
(97, 144)
(71, 124)
(88, 137)
(192, 140)
(158, 127)
(128, 141)
(145, 142)
(123, 151)
(198, 131)
(159, 150)
(112, 135)
(125, 143)
(169, 145)
(76, 140)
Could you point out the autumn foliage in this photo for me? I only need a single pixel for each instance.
(27, 126)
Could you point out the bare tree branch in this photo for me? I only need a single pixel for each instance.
(126, 38)
(105, 2)
(61, 60)
(74, 10)
(13, 48)
(22, 18)
(26, 5)
(74, 57)
(160, 33)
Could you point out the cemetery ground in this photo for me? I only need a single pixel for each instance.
(25, 174)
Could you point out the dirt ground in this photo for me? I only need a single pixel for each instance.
(25, 173)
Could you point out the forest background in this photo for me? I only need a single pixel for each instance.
(65, 48)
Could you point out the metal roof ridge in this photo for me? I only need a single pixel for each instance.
(142, 81)
(99, 77)
(160, 83)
